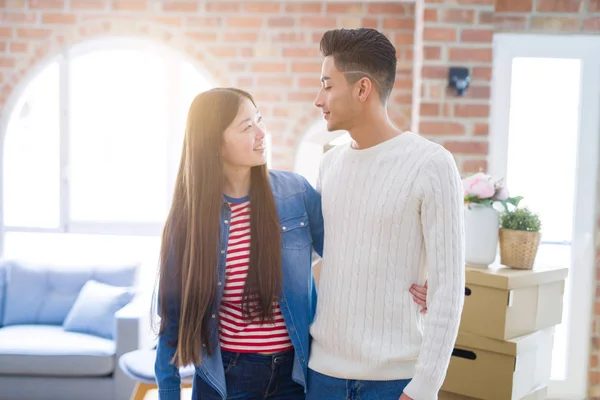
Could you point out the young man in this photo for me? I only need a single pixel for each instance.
(393, 210)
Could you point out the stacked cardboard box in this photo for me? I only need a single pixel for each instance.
(506, 334)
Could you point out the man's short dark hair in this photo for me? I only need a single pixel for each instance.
(364, 50)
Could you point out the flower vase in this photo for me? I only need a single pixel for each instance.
(481, 235)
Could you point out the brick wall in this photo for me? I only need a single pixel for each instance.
(268, 48)
(459, 33)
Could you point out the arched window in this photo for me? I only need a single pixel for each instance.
(91, 150)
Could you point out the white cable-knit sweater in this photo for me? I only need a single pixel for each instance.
(393, 217)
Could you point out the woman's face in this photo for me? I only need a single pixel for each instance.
(244, 143)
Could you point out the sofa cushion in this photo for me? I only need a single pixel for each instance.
(37, 294)
(94, 310)
(49, 350)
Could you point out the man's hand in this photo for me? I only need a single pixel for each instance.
(405, 397)
(420, 296)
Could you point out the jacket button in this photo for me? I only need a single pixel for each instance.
(218, 283)
(302, 360)
(226, 222)
(301, 223)
(284, 228)
(222, 251)
(213, 316)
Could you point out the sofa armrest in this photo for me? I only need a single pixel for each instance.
(133, 330)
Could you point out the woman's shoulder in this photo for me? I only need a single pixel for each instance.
(286, 182)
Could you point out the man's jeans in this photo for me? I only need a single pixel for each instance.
(321, 387)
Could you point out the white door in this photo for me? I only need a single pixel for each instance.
(544, 141)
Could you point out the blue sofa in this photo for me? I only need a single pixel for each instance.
(63, 329)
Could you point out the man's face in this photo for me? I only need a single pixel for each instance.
(336, 98)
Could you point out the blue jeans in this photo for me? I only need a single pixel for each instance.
(252, 377)
(322, 387)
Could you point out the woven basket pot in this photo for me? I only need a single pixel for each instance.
(518, 248)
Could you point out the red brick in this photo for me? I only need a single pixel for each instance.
(302, 96)
(472, 110)
(439, 34)
(591, 24)
(46, 4)
(18, 47)
(218, 6)
(594, 6)
(262, 7)
(317, 22)
(478, 92)
(170, 20)
(51, 19)
(288, 37)
(6, 32)
(403, 84)
(594, 361)
(559, 5)
(477, 35)
(399, 23)
(477, 2)
(263, 97)
(430, 109)
(204, 22)
(304, 8)
(180, 6)
(486, 17)
(370, 23)
(202, 36)
(130, 5)
(470, 54)
(387, 8)
(457, 16)
(307, 82)
(344, 8)
(471, 166)
(279, 22)
(432, 52)
(555, 23)
(87, 5)
(301, 52)
(430, 15)
(314, 67)
(242, 37)
(510, 22)
(271, 67)
(404, 39)
(275, 81)
(18, 17)
(514, 5)
(223, 51)
(482, 73)
(441, 128)
(33, 33)
(3, 47)
(435, 72)
(7, 62)
(237, 67)
(244, 22)
(481, 129)
(466, 147)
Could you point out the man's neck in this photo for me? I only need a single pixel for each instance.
(373, 132)
(237, 181)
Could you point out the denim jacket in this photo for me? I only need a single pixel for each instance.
(299, 209)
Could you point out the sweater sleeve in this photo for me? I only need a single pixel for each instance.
(442, 220)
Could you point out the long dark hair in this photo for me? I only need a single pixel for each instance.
(190, 241)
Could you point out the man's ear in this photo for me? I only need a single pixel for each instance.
(364, 89)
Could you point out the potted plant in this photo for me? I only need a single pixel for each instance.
(481, 193)
(519, 238)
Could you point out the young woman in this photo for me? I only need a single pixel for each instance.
(236, 294)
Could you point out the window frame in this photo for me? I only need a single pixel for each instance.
(587, 48)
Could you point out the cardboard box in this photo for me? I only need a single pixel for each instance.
(492, 369)
(504, 303)
(539, 394)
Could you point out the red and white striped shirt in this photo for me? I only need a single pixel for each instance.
(236, 334)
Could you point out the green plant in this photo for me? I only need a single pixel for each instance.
(521, 219)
